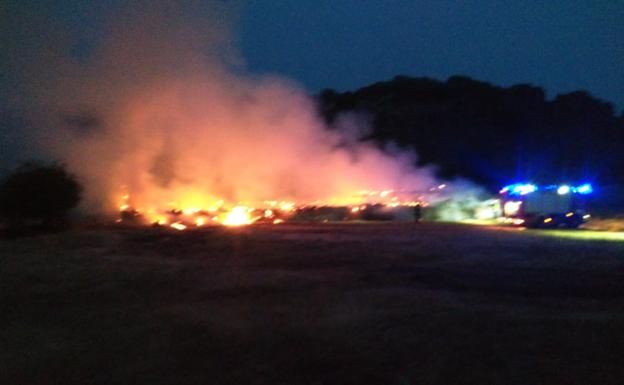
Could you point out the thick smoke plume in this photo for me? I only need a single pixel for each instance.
(160, 108)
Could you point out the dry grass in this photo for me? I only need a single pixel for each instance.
(606, 224)
(311, 304)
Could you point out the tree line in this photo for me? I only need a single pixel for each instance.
(492, 135)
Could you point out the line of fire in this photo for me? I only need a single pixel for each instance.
(365, 205)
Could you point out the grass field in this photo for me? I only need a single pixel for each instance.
(394, 303)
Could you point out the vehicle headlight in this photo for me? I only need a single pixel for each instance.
(512, 207)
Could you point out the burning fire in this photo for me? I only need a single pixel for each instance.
(238, 216)
(155, 107)
(178, 226)
(218, 212)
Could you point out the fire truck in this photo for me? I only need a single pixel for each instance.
(550, 206)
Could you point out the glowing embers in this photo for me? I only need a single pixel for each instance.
(285, 206)
(178, 226)
(239, 216)
(124, 205)
(211, 213)
(196, 217)
(197, 210)
(360, 208)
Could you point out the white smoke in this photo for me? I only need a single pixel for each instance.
(162, 109)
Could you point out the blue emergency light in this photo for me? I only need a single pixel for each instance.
(585, 189)
(527, 188)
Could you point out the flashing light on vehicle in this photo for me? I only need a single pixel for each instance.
(585, 189)
(519, 189)
(527, 188)
(563, 190)
(545, 205)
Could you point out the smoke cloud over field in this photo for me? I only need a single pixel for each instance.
(157, 106)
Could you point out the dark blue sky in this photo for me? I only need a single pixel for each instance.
(345, 44)
(562, 45)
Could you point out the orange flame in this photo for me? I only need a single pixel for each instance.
(238, 216)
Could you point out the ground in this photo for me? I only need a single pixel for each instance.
(393, 303)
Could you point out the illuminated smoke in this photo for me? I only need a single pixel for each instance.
(162, 111)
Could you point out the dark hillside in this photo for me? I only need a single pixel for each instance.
(491, 134)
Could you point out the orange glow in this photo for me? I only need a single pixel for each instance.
(178, 226)
(287, 206)
(238, 216)
(192, 209)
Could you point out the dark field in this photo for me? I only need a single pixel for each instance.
(312, 304)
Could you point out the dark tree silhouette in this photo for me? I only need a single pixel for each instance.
(40, 194)
(492, 135)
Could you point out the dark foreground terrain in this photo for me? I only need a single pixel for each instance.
(312, 304)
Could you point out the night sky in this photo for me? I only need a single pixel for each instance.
(560, 45)
(346, 44)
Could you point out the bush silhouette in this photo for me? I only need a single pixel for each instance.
(40, 194)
